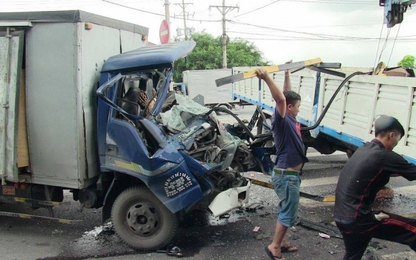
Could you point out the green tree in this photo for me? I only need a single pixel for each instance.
(207, 55)
(408, 62)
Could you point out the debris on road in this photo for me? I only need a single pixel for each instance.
(256, 229)
(324, 236)
(171, 251)
(323, 227)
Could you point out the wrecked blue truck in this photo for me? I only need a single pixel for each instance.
(170, 155)
(109, 131)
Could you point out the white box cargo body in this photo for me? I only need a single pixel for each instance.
(202, 82)
(54, 60)
(351, 116)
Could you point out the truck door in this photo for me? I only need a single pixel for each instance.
(13, 150)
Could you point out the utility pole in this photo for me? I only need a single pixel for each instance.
(183, 6)
(224, 10)
(167, 17)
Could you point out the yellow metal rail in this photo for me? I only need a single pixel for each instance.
(265, 181)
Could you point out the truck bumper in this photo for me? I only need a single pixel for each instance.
(230, 199)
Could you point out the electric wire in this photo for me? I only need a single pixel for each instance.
(288, 37)
(319, 36)
(313, 36)
(384, 45)
(261, 7)
(25, 2)
(332, 2)
(48, 3)
(284, 30)
(149, 12)
(392, 48)
(378, 45)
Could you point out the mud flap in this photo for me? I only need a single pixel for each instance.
(229, 199)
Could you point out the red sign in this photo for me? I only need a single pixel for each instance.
(164, 32)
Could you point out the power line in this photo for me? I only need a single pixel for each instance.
(332, 25)
(261, 7)
(317, 40)
(47, 3)
(136, 9)
(288, 31)
(341, 38)
(158, 14)
(355, 2)
(317, 35)
(279, 38)
(333, 2)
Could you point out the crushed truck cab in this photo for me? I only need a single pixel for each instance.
(147, 142)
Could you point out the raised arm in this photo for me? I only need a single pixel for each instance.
(287, 84)
(277, 94)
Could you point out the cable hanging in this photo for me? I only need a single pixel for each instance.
(394, 42)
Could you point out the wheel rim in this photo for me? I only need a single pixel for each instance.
(143, 219)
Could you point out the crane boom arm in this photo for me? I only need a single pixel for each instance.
(394, 10)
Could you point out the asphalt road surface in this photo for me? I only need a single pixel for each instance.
(241, 234)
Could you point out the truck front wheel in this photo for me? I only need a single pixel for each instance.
(141, 220)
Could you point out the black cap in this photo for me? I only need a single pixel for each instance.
(387, 123)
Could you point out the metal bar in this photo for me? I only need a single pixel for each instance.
(265, 181)
(253, 119)
(325, 228)
(29, 216)
(39, 202)
(10, 199)
(330, 72)
(15, 24)
(269, 69)
(5, 106)
(296, 70)
(329, 65)
(317, 197)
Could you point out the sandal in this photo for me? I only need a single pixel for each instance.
(271, 256)
(288, 249)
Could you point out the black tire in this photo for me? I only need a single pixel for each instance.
(141, 220)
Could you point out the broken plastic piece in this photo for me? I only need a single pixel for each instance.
(230, 199)
(324, 236)
(380, 216)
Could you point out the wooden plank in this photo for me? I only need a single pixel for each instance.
(269, 69)
(22, 144)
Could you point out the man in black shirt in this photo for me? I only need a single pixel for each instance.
(366, 172)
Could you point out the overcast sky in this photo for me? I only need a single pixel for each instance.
(346, 31)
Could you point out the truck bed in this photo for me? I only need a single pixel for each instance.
(350, 117)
